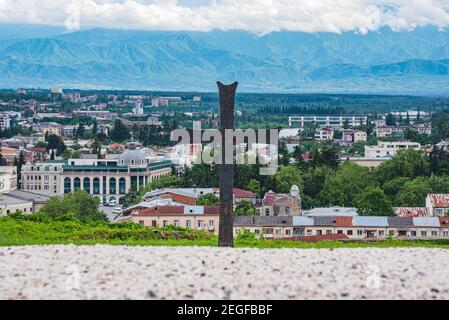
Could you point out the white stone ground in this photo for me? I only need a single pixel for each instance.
(118, 272)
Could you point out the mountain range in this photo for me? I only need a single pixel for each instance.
(408, 62)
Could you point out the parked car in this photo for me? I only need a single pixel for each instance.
(112, 202)
(117, 211)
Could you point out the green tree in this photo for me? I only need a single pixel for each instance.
(286, 177)
(209, 199)
(373, 202)
(406, 163)
(413, 194)
(343, 187)
(390, 120)
(440, 127)
(119, 132)
(245, 208)
(55, 142)
(79, 203)
(255, 186)
(80, 131)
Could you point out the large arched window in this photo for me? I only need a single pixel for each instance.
(112, 186)
(77, 184)
(122, 186)
(67, 185)
(86, 185)
(96, 186)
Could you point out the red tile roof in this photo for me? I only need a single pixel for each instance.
(440, 200)
(411, 211)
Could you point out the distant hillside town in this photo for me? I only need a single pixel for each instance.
(341, 175)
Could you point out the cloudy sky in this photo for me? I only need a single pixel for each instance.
(260, 16)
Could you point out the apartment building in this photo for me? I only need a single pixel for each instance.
(204, 218)
(352, 228)
(105, 178)
(389, 149)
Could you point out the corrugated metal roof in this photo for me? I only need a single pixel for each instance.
(426, 222)
(324, 221)
(400, 222)
(301, 221)
(332, 211)
(262, 221)
(370, 221)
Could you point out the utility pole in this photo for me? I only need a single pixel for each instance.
(227, 99)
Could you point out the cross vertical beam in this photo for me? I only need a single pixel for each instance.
(227, 98)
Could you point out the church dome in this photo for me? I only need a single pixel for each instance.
(132, 156)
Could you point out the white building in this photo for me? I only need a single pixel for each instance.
(5, 121)
(389, 149)
(326, 121)
(106, 178)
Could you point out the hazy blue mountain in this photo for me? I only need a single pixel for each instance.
(384, 61)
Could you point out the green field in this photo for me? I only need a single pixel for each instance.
(37, 231)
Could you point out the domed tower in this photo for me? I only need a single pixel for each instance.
(294, 193)
(132, 157)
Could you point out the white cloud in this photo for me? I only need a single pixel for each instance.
(260, 16)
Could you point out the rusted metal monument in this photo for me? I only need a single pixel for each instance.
(227, 99)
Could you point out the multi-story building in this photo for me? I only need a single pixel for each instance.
(437, 204)
(205, 218)
(389, 149)
(106, 178)
(326, 121)
(324, 134)
(49, 128)
(274, 204)
(5, 121)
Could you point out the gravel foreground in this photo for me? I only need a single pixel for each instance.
(120, 272)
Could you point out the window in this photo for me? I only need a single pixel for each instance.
(154, 223)
(391, 233)
(309, 232)
(276, 211)
(200, 224)
(360, 232)
(112, 186)
(77, 184)
(267, 212)
(328, 231)
(142, 222)
(96, 186)
(278, 232)
(423, 233)
(287, 211)
(211, 223)
(413, 233)
(257, 231)
(188, 224)
(339, 231)
(104, 185)
(319, 232)
(176, 223)
(86, 185)
(445, 233)
(122, 186)
(67, 185)
(381, 233)
(165, 223)
(434, 233)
